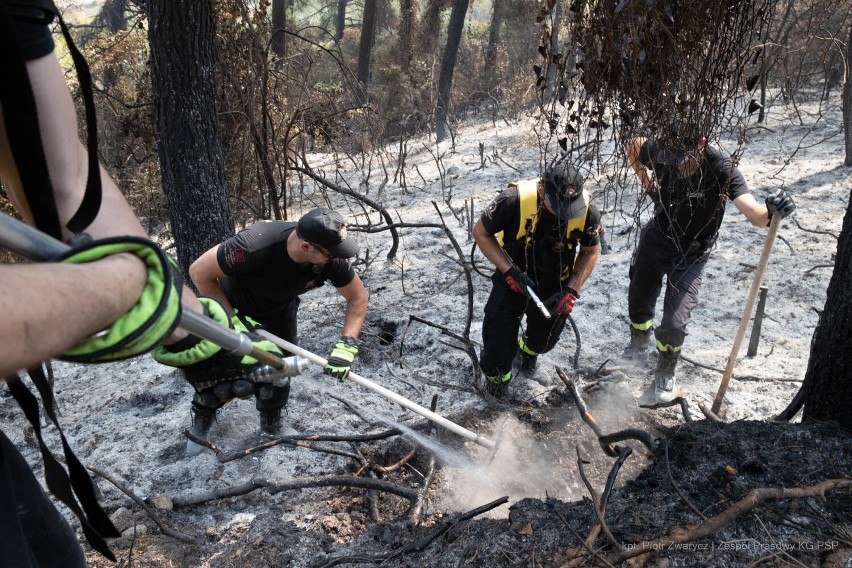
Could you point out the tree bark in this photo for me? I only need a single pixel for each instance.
(847, 102)
(828, 380)
(406, 33)
(279, 22)
(365, 47)
(552, 66)
(180, 35)
(341, 20)
(494, 35)
(448, 66)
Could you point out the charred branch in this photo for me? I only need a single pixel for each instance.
(752, 500)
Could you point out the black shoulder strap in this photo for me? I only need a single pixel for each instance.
(95, 522)
(19, 114)
(21, 118)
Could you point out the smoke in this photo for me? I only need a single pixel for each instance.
(544, 464)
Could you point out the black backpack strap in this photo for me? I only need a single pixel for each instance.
(21, 119)
(91, 203)
(68, 489)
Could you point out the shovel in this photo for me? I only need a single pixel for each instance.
(31, 243)
(755, 288)
(380, 390)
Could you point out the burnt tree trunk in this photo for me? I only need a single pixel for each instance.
(494, 35)
(847, 101)
(279, 22)
(365, 47)
(180, 35)
(448, 66)
(828, 394)
(552, 66)
(406, 34)
(341, 20)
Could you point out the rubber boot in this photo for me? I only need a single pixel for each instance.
(498, 385)
(665, 387)
(202, 421)
(529, 358)
(270, 422)
(528, 363)
(640, 342)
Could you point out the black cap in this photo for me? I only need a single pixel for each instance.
(563, 185)
(325, 227)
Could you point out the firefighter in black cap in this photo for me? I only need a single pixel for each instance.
(260, 274)
(542, 235)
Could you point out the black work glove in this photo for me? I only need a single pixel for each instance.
(779, 202)
(562, 303)
(518, 281)
(341, 358)
(146, 324)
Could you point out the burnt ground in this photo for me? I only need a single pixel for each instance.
(712, 465)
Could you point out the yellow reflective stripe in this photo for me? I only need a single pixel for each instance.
(667, 347)
(642, 326)
(522, 344)
(498, 379)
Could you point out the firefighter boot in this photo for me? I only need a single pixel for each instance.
(640, 341)
(498, 385)
(202, 421)
(529, 358)
(270, 422)
(665, 388)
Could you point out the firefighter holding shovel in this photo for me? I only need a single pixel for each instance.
(690, 183)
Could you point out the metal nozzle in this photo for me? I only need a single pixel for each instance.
(290, 367)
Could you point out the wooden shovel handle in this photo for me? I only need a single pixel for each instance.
(755, 288)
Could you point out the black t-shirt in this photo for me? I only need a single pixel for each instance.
(691, 209)
(545, 256)
(261, 276)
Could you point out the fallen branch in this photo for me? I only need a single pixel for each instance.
(753, 499)
(684, 406)
(710, 414)
(302, 441)
(278, 485)
(595, 503)
(675, 485)
(147, 508)
(421, 544)
(578, 559)
(606, 441)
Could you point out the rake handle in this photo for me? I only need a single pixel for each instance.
(388, 394)
(749, 307)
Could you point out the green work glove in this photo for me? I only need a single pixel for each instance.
(340, 361)
(204, 363)
(147, 323)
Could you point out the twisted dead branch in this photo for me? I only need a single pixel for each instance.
(752, 500)
(147, 508)
(424, 542)
(606, 441)
(277, 485)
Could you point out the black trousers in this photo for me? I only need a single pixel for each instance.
(32, 531)
(657, 259)
(503, 313)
